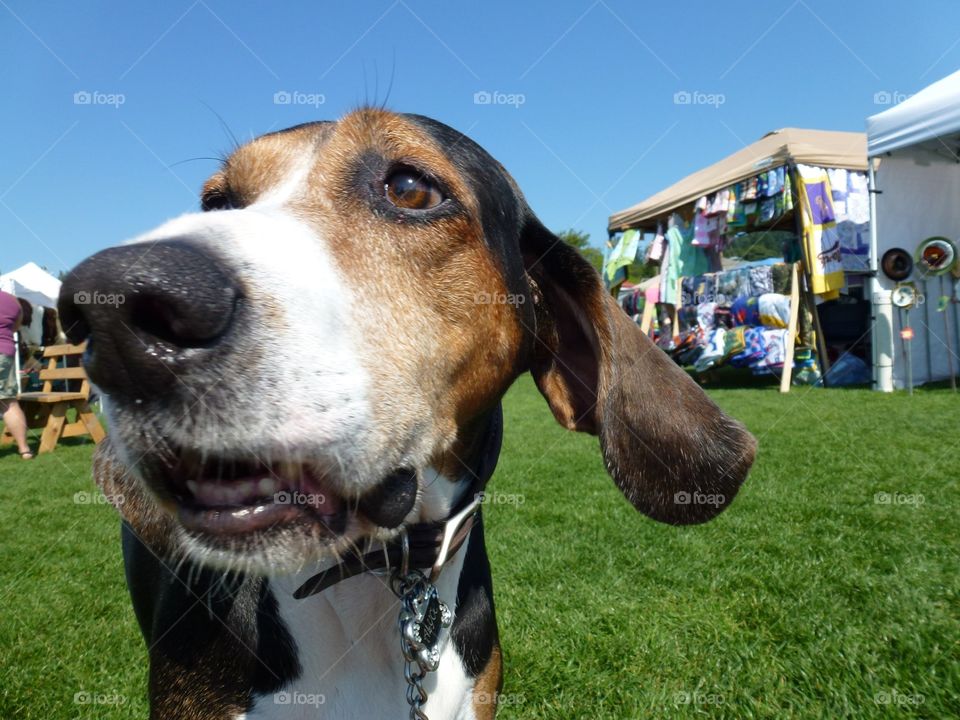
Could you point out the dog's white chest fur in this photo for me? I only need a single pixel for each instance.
(349, 651)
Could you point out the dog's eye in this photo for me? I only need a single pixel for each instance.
(410, 190)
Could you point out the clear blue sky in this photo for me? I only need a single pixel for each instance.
(598, 128)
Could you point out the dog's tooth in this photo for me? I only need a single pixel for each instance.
(193, 486)
(244, 489)
(267, 486)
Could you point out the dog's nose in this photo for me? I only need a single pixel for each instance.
(150, 313)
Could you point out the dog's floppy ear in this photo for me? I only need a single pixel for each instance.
(672, 452)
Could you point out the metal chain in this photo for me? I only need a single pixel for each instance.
(408, 588)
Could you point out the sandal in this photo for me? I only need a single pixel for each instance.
(26, 455)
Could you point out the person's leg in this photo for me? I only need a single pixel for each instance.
(16, 423)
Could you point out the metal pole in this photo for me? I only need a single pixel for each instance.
(874, 283)
(946, 330)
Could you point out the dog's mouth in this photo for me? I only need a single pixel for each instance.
(222, 496)
(218, 496)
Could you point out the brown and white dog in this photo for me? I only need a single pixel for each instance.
(339, 324)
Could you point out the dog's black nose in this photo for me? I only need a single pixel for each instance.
(150, 312)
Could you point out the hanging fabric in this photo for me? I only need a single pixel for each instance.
(820, 237)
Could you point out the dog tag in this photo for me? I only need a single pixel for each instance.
(423, 631)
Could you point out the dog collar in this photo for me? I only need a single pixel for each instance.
(423, 545)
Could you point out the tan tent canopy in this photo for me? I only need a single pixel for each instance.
(811, 147)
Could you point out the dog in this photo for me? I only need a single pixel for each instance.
(304, 383)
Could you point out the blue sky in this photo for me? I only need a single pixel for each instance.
(103, 102)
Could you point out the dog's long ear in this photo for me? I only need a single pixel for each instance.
(672, 452)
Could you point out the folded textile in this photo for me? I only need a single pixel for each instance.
(754, 350)
(774, 310)
(706, 316)
(734, 342)
(712, 350)
(774, 349)
(745, 311)
(761, 279)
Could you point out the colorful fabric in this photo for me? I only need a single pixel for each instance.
(755, 349)
(745, 311)
(820, 237)
(706, 313)
(655, 251)
(761, 279)
(683, 259)
(624, 254)
(734, 342)
(774, 310)
(712, 351)
(652, 293)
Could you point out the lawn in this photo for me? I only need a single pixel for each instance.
(828, 589)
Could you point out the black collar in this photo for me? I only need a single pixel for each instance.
(430, 544)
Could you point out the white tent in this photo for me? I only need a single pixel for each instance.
(33, 284)
(916, 186)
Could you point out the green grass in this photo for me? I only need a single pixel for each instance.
(806, 599)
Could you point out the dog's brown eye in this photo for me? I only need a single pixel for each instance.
(409, 190)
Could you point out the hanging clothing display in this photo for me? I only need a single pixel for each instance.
(820, 237)
(622, 255)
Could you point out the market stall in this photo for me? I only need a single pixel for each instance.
(807, 187)
(915, 149)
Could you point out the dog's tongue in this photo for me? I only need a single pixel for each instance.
(389, 503)
(284, 485)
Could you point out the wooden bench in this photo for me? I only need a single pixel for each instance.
(47, 408)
